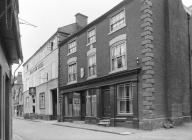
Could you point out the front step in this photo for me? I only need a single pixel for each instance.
(104, 122)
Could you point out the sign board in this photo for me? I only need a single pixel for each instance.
(32, 91)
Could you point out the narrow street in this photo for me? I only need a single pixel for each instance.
(29, 130)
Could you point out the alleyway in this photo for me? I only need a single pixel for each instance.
(30, 130)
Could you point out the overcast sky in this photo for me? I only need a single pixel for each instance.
(48, 15)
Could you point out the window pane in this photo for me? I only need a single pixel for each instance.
(88, 105)
(94, 105)
(76, 105)
(66, 106)
(124, 98)
(117, 21)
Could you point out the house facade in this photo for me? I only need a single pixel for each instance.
(10, 52)
(41, 76)
(129, 67)
(17, 96)
(40, 81)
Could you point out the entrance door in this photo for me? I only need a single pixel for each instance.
(83, 106)
(106, 103)
(54, 103)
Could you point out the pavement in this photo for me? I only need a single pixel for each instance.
(52, 130)
(91, 127)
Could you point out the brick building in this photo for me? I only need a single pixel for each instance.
(17, 96)
(130, 67)
(10, 52)
(41, 76)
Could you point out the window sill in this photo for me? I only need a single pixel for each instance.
(73, 82)
(123, 26)
(88, 44)
(124, 114)
(70, 53)
(115, 71)
(92, 77)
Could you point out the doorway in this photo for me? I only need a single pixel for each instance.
(54, 103)
(106, 107)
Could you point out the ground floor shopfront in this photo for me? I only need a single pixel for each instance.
(113, 98)
(44, 104)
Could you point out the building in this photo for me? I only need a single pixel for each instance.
(10, 52)
(41, 76)
(130, 67)
(17, 96)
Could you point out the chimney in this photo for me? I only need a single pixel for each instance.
(81, 20)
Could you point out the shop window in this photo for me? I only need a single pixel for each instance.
(68, 105)
(124, 99)
(76, 104)
(91, 103)
(42, 100)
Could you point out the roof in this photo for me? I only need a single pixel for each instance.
(67, 30)
(121, 4)
(39, 49)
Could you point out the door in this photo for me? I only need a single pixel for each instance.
(106, 103)
(54, 103)
(83, 105)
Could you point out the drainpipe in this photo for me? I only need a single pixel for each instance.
(189, 50)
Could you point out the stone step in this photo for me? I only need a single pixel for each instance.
(104, 122)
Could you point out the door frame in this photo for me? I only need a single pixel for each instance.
(103, 90)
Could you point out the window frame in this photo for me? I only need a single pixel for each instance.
(89, 43)
(115, 15)
(42, 100)
(116, 44)
(74, 47)
(69, 64)
(88, 72)
(91, 93)
(130, 99)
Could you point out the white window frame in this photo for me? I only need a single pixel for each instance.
(42, 100)
(93, 36)
(69, 64)
(88, 72)
(118, 21)
(111, 63)
(72, 49)
(130, 99)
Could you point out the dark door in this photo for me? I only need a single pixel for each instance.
(83, 106)
(106, 103)
(54, 101)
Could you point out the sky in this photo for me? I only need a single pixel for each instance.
(48, 15)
